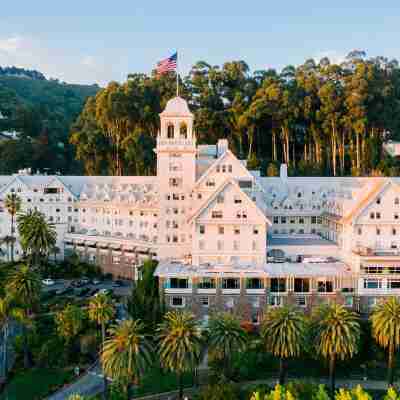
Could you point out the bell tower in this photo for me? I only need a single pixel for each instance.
(176, 173)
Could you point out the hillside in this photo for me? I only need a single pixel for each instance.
(42, 111)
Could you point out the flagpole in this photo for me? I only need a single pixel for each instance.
(177, 75)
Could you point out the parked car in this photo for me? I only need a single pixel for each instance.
(118, 283)
(96, 281)
(48, 282)
(85, 280)
(93, 291)
(76, 284)
(83, 292)
(104, 291)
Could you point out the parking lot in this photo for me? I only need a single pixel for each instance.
(71, 287)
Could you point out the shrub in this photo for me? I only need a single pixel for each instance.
(221, 391)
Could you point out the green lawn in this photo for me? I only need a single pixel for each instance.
(35, 384)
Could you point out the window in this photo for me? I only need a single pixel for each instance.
(220, 245)
(170, 131)
(378, 231)
(313, 220)
(378, 215)
(278, 285)
(255, 230)
(301, 301)
(254, 245)
(235, 245)
(177, 302)
(394, 283)
(245, 184)
(254, 283)
(178, 283)
(210, 183)
(230, 283)
(301, 285)
(183, 130)
(199, 196)
(276, 220)
(221, 230)
(394, 232)
(396, 201)
(218, 168)
(359, 231)
(116, 260)
(301, 220)
(201, 244)
(372, 302)
(220, 199)
(372, 215)
(237, 200)
(204, 301)
(348, 301)
(174, 182)
(378, 200)
(229, 168)
(217, 214)
(206, 283)
(283, 220)
(236, 230)
(372, 284)
(396, 216)
(325, 286)
(50, 190)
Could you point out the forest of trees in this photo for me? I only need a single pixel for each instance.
(319, 118)
(42, 111)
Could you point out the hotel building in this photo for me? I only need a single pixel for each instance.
(226, 237)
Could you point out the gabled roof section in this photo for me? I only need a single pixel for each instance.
(60, 182)
(222, 187)
(13, 181)
(376, 190)
(218, 161)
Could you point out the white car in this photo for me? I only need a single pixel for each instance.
(48, 282)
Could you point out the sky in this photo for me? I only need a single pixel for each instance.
(91, 41)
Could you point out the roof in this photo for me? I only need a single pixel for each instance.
(176, 107)
(303, 240)
(225, 183)
(176, 269)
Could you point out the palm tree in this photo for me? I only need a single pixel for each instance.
(283, 331)
(8, 312)
(127, 353)
(336, 333)
(101, 311)
(24, 286)
(38, 237)
(226, 336)
(385, 321)
(8, 240)
(180, 344)
(13, 204)
(70, 321)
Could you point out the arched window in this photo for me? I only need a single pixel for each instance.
(183, 130)
(170, 131)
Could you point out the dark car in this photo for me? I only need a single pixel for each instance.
(83, 292)
(76, 284)
(66, 290)
(118, 283)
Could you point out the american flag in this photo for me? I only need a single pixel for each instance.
(168, 64)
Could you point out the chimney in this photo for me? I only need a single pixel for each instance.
(283, 172)
(222, 147)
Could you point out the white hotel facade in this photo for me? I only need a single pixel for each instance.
(225, 237)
